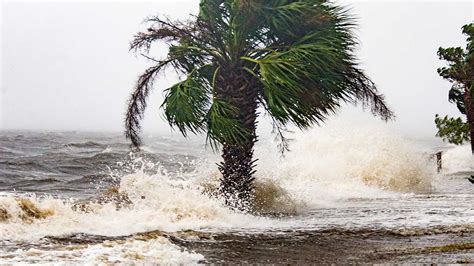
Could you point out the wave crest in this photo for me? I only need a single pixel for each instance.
(334, 163)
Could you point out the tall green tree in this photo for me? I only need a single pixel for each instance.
(293, 59)
(460, 72)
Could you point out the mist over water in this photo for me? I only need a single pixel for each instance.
(84, 198)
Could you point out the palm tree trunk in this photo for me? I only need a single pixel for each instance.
(468, 102)
(237, 168)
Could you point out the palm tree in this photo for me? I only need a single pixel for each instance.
(293, 59)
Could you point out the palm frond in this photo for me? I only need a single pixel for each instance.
(138, 101)
(186, 104)
(160, 29)
(366, 92)
(221, 127)
(310, 68)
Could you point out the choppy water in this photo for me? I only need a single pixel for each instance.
(84, 198)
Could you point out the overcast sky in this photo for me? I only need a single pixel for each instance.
(66, 66)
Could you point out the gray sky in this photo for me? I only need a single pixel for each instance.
(66, 66)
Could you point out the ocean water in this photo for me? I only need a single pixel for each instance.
(84, 198)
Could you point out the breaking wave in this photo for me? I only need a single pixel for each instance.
(325, 168)
(458, 159)
(88, 144)
(333, 164)
(126, 251)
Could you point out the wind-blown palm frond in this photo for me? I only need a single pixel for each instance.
(300, 52)
(220, 125)
(366, 92)
(138, 102)
(186, 105)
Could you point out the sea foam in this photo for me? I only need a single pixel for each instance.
(326, 167)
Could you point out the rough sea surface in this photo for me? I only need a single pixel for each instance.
(340, 195)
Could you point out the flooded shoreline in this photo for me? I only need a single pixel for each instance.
(330, 246)
(85, 199)
(334, 247)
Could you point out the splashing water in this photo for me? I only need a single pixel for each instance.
(108, 252)
(332, 178)
(458, 159)
(332, 164)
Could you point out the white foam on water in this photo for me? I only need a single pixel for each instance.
(129, 251)
(332, 166)
(458, 159)
(337, 162)
(325, 167)
(158, 203)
